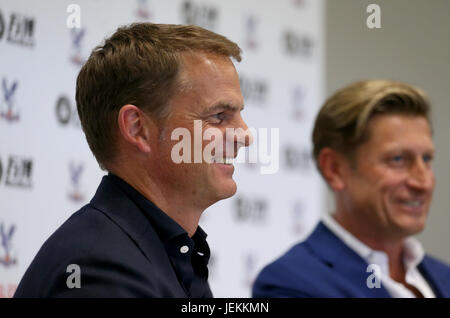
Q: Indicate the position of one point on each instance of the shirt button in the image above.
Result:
(184, 249)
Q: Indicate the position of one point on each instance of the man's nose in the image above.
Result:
(244, 136)
(237, 135)
(421, 176)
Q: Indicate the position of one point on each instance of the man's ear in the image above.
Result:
(333, 166)
(134, 127)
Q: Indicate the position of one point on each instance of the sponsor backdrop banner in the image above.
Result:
(47, 171)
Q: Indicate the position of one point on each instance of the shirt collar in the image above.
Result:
(348, 238)
(413, 252)
(166, 228)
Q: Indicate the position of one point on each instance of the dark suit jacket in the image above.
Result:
(324, 266)
(116, 248)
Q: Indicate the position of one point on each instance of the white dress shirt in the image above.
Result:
(412, 256)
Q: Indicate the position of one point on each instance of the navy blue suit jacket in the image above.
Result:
(116, 248)
(324, 266)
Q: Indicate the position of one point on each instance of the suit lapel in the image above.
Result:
(438, 282)
(112, 201)
(347, 264)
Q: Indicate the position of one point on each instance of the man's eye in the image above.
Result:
(219, 116)
(397, 160)
(427, 158)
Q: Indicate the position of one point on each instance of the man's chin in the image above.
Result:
(227, 190)
(411, 228)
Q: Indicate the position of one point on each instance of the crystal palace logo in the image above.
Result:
(6, 234)
(7, 103)
(298, 102)
(75, 173)
(142, 12)
(251, 26)
(77, 36)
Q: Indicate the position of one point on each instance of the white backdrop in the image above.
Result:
(47, 171)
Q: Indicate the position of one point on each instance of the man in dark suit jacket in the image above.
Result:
(324, 266)
(373, 146)
(138, 93)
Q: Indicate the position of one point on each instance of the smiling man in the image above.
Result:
(373, 146)
(139, 236)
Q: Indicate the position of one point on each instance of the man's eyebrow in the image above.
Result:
(223, 106)
(431, 150)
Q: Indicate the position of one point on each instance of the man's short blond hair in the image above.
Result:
(343, 120)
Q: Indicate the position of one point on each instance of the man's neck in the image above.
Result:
(185, 212)
(372, 237)
(393, 247)
(397, 272)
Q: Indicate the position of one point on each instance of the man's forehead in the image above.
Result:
(195, 65)
(395, 130)
(192, 60)
(394, 124)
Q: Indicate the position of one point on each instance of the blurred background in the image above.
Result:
(295, 54)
